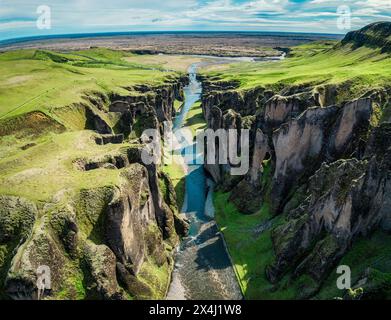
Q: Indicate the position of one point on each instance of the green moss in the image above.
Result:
(72, 287)
(267, 175)
(91, 207)
(373, 252)
(178, 105)
(176, 172)
(355, 294)
(6, 255)
(314, 64)
(376, 115)
(195, 119)
(144, 197)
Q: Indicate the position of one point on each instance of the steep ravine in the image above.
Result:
(319, 174)
(203, 269)
(112, 238)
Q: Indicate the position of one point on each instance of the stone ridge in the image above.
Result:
(377, 34)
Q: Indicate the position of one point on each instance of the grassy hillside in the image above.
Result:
(195, 118)
(315, 64)
(43, 80)
(54, 83)
(356, 70)
(49, 165)
(47, 102)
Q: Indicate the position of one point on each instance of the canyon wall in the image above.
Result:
(320, 165)
(110, 242)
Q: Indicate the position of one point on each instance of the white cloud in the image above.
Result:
(16, 25)
(120, 15)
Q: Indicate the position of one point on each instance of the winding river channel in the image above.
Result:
(203, 269)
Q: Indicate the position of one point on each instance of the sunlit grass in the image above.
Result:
(315, 64)
(35, 80)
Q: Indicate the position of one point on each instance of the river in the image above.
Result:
(203, 270)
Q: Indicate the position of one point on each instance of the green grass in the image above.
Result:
(250, 253)
(374, 252)
(47, 168)
(42, 80)
(178, 177)
(195, 119)
(315, 64)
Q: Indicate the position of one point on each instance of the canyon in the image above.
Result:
(75, 195)
(318, 178)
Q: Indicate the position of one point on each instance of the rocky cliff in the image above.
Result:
(375, 35)
(112, 239)
(319, 164)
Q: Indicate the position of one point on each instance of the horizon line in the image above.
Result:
(113, 33)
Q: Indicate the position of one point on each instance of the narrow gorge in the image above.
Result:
(203, 269)
(317, 184)
(79, 202)
(112, 231)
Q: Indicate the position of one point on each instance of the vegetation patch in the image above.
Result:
(177, 174)
(195, 119)
(315, 64)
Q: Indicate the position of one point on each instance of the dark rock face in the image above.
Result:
(156, 102)
(95, 122)
(346, 199)
(327, 210)
(330, 169)
(279, 109)
(304, 136)
(102, 235)
(128, 224)
(128, 215)
(101, 264)
(17, 217)
(318, 135)
(374, 35)
(217, 95)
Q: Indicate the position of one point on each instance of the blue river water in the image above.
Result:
(194, 205)
(203, 269)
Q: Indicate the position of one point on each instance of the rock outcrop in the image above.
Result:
(345, 199)
(124, 225)
(327, 181)
(375, 35)
(318, 135)
(100, 242)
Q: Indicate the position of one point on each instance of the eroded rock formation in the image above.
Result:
(100, 242)
(328, 167)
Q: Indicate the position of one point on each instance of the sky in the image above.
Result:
(18, 18)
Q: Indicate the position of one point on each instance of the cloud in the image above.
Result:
(71, 16)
